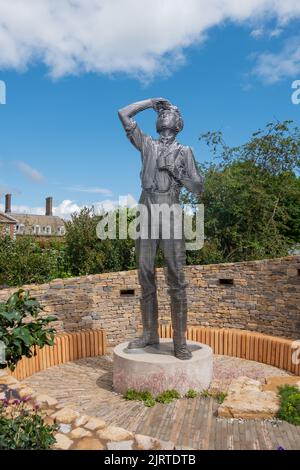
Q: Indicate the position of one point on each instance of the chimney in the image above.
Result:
(49, 203)
(7, 203)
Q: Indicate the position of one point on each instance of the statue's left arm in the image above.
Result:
(191, 178)
(185, 170)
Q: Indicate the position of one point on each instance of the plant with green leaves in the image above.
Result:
(289, 404)
(22, 428)
(144, 396)
(167, 396)
(191, 394)
(22, 328)
(251, 197)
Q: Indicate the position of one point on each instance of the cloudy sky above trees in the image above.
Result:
(69, 64)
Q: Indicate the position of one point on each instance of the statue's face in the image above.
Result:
(167, 120)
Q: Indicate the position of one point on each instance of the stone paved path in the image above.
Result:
(86, 386)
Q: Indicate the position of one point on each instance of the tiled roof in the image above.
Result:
(7, 219)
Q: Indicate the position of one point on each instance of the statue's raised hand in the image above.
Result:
(160, 103)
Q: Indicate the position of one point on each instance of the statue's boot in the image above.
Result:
(149, 308)
(179, 325)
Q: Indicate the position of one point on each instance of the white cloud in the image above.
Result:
(30, 172)
(275, 67)
(275, 33)
(68, 207)
(91, 190)
(140, 37)
(257, 33)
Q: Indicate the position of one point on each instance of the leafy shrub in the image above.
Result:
(145, 397)
(289, 404)
(167, 397)
(218, 396)
(22, 329)
(23, 428)
(26, 261)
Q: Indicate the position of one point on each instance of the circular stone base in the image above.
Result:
(156, 369)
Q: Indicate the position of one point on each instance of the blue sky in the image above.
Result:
(60, 133)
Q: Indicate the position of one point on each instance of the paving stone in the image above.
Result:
(94, 424)
(88, 443)
(7, 380)
(62, 442)
(120, 445)
(64, 428)
(78, 433)
(246, 400)
(272, 383)
(65, 415)
(45, 400)
(82, 420)
(114, 433)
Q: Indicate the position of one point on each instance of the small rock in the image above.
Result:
(114, 433)
(62, 442)
(246, 400)
(88, 443)
(48, 420)
(119, 445)
(150, 443)
(65, 415)
(26, 392)
(8, 379)
(95, 423)
(273, 383)
(64, 428)
(45, 400)
(82, 420)
(79, 433)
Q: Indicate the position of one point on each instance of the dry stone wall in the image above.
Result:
(261, 296)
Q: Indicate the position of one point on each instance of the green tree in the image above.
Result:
(25, 261)
(87, 254)
(252, 196)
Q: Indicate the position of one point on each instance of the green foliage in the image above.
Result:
(167, 396)
(252, 196)
(25, 261)
(289, 404)
(24, 429)
(252, 211)
(191, 394)
(87, 254)
(145, 397)
(22, 329)
(218, 396)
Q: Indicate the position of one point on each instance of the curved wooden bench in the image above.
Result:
(67, 347)
(245, 344)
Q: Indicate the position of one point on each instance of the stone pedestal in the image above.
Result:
(156, 369)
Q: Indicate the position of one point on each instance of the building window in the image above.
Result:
(20, 228)
(36, 229)
(48, 230)
(61, 230)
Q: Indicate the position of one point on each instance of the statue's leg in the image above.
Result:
(146, 251)
(175, 257)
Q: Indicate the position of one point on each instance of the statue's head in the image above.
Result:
(169, 118)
